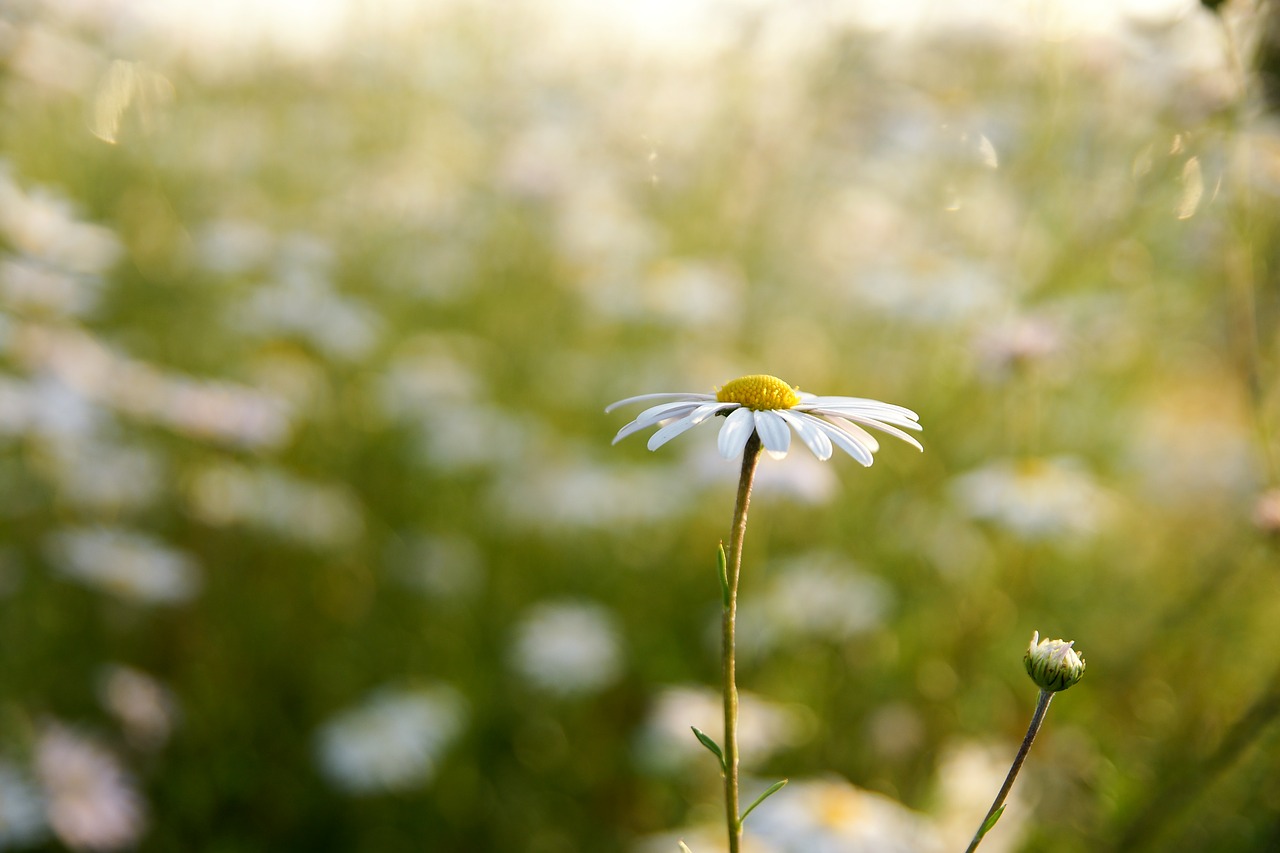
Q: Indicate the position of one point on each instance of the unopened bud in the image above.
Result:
(1053, 664)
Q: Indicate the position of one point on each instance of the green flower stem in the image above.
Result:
(750, 459)
(1042, 708)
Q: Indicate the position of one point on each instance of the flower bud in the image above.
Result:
(1052, 664)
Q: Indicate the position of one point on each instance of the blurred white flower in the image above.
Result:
(233, 246)
(800, 477)
(318, 514)
(765, 405)
(969, 775)
(22, 809)
(1174, 429)
(578, 493)
(929, 290)
(833, 816)
(568, 648)
(392, 741)
(43, 226)
(91, 802)
(125, 563)
(1035, 498)
(446, 567)
(1015, 343)
(28, 286)
(816, 816)
(304, 305)
(146, 709)
(665, 742)
(818, 595)
(47, 408)
(203, 409)
(102, 475)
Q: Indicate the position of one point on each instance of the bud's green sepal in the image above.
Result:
(1053, 664)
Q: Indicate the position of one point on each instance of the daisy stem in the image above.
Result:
(750, 459)
(1042, 708)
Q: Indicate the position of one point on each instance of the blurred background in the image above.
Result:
(312, 535)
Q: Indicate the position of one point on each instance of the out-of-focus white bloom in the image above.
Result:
(32, 287)
(445, 567)
(665, 743)
(1172, 434)
(818, 595)
(766, 406)
(91, 802)
(106, 476)
(22, 809)
(800, 477)
(145, 708)
(567, 648)
(125, 563)
(1018, 342)
(577, 493)
(317, 514)
(44, 227)
(833, 816)
(234, 246)
(392, 741)
(213, 410)
(46, 408)
(1035, 498)
(969, 775)
(1266, 511)
(817, 816)
(929, 290)
(305, 305)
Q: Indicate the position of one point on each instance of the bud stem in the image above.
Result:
(1042, 708)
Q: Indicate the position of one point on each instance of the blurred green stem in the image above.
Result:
(1042, 708)
(750, 459)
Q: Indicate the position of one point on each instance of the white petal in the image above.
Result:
(643, 398)
(883, 427)
(865, 415)
(735, 432)
(651, 416)
(670, 431)
(809, 434)
(865, 438)
(848, 443)
(773, 433)
(817, 402)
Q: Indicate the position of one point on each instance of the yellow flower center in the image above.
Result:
(759, 391)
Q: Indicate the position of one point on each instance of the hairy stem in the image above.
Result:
(750, 459)
(1042, 708)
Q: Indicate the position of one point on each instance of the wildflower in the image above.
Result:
(92, 803)
(771, 408)
(1053, 664)
(392, 741)
(567, 648)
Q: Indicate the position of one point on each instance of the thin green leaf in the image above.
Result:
(722, 562)
(991, 821)
(705, 740)
(773, 789)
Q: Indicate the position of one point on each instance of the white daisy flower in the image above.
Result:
(767, 406)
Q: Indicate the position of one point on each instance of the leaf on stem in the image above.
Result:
(991, 821)
(705, 740)
(722, 562)
(773, 789)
